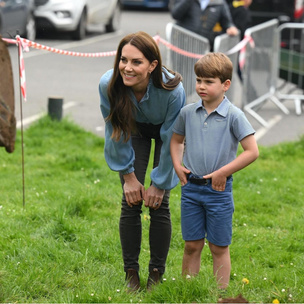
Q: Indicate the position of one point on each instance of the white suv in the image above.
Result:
(75, 16)
(17, 17)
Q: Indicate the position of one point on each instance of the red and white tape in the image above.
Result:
(64, 52)
(242, 56)
(176, 49)
(24, 44)
(21, 66)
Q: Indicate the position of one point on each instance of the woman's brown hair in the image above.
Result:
(122, 110)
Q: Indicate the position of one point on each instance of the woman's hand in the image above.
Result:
(133, 189)
(153, 197)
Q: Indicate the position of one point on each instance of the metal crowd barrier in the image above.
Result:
(260, 70)
(266, 62)
(291, 63)
(224, 43)
(187, 41)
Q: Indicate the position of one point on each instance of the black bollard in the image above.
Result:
(55, 107)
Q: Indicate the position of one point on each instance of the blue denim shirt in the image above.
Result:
(158, 106)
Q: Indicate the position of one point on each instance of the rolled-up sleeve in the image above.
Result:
(163, 176)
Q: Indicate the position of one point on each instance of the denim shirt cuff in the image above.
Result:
(156, 186)
(127, 171)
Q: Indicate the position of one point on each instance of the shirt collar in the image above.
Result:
(146, 96)
(204, 4)
(148, 89)
(222, 108)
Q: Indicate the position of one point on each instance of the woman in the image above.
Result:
(140, 100)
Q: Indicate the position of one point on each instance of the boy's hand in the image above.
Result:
(182, 174)
(218, 180)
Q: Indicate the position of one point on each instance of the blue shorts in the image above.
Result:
(207, 213)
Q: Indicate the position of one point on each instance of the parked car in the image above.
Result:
(283, 10)
(75, 16)
(146, 3)
(291, 52)
(17, 17)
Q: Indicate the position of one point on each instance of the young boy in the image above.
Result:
(211, 130)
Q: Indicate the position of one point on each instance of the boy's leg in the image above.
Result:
(221, 264)
(192, 257)
(220, 208)
(193, 220)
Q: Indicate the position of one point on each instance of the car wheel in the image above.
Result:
(30, 29)
(80, 32)
(114, 23)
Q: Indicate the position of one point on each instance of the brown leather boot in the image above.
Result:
(132, 279)
(153, 279)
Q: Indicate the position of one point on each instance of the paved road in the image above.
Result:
(77, 79)
(281, 127)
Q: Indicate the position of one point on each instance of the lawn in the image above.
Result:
(59, 238)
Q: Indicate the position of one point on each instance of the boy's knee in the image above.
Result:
(218, 250)
(192, 247)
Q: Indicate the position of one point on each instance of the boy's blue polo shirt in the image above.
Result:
(211, 140)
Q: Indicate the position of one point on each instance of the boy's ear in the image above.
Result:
(226, 84)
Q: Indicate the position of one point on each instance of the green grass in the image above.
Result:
(63, 246)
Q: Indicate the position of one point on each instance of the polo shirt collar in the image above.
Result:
(199, 104)
(222, 109)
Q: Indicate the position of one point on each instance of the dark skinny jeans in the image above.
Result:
(130, 227)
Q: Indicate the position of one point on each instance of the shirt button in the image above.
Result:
(205, 124)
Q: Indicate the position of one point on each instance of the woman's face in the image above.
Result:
(135, 68)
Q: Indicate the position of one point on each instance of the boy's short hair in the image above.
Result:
(214, 65)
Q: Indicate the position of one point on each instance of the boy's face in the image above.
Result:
(211, 90)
